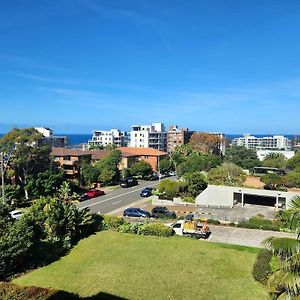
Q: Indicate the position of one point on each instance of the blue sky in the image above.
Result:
(211, 65)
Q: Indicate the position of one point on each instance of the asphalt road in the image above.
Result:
(116, 198)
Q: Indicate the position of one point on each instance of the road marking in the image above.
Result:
(116, 202)
(118, 196)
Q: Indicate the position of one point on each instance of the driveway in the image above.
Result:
(243, 236)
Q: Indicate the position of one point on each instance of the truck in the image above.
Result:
(192, 228)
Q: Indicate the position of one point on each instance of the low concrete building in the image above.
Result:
(226, 196)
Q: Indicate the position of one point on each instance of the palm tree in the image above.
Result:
(285, 283)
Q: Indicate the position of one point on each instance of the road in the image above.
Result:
(116, 198)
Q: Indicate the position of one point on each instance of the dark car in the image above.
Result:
(84, 197)
(136, 212)
(152, 177)
(128, 182)
(146, 192)
(163, 212)
(95, 193)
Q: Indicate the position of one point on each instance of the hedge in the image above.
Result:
(10, 291)
(214, 222)
(259, 223)
(261, 268)
(155, 229)
(112, 222)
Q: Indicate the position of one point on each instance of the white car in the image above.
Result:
(16, 214)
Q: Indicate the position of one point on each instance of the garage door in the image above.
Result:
(259, 200)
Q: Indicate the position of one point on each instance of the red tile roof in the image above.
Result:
(131, 151)
(96, 154)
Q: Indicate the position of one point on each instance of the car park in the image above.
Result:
(146, 192)
(95, 193)
(16, 214)
(163, 212)
(128, 182)
(136, 212)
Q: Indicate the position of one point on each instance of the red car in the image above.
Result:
(95, 193)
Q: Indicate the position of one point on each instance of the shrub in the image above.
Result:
(214, 222)
(128, 228)
(9, 291)
(112, 222)
(274, 264)
(155, 229)
(260, 223)
(189, 199)
(261, 268)
(232, 224)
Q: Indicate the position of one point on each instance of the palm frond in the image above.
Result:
(283, 247)
(291, 282)
(295, 202)
(292, 264)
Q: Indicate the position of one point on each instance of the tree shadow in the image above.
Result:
(62, 295)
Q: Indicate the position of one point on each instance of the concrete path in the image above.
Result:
(243, 236)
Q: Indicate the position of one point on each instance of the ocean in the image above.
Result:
(76, 138)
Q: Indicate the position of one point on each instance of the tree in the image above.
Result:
(108, 167)
(285, 282)
(198, 162)
(226, 174)
(272, 180)
(165, 165)
(28, 157)
(196, 183)
(45, 183)
(169, 187)
(141, 168)
(294, 162)
(89, 173)
(292, 179)
(243, 157)
(275, 160)
(206, 142)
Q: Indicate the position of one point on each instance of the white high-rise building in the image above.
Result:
(109, 137)
(149, 136)
(276, 142)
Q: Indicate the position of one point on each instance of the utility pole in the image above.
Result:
(2, 177)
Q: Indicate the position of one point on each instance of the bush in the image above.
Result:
(232, 224)
(214, 222)
(189, 199)
(260, 223)
(128, 228)
(9, 291)
(261, 268)
(155, 229)
(112, 222)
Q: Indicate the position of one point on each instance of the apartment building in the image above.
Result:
(51, 139)
(103, 138)
(149, 136)
(177, 137)
(275, 142)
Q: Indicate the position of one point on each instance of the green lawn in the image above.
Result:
(138, 267)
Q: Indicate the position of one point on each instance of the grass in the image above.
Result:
(138, 267)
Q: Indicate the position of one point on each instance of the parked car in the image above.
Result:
(172, 173)
(128, 182)
(152, 177)
(84, 197)
(163, 212)
(95, 193)
(136, 212)
(146, 192)
(16, 214)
